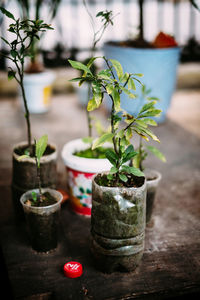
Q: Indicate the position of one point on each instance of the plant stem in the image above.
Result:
(27, 115)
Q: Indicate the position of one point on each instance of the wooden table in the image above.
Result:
(170, 265)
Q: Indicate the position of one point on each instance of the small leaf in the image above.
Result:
(138, 74)
(41, 145)
(148, 121)
(13, 53)
(131, 84)
(109, 88)
(100, 141)
(7, 13)
(116, 64)
(123, 177)
(116, 99)
(157, 153)
(5, 41)
(113, 170)
(111, 156)
(11, 74)
(126, 91)
(136, 172)
(79, 66)
(147, 106)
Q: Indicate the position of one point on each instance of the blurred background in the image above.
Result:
(72, 38)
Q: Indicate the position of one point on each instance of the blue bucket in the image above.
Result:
(159, 67)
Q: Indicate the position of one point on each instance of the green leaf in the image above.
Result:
(138, 74)
(111, 156)
(11, 74)
(131, 84)
(148, 121)
(131, 95)
(151, 113)
(7, 13)
(109, 88)
(104, 74)
(134, 171)
(113, 170)
(95, 102)
(106, 137)
(116, 64)
(5, 41)
(13, 53)
(123, 177)
(116, 99)
(79, 66)
(34, 196)
(147, 106)
(109, 176)
(41, 145)
(157, 153)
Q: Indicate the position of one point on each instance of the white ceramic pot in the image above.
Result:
(80, 172)
(38, 89)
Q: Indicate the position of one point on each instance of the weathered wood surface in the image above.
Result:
(170, 265)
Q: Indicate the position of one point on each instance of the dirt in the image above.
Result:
(45, 200)
(22, 150)
(133, 181)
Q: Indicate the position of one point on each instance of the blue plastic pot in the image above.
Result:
(159, 67)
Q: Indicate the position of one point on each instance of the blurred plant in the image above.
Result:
(32, 10)
(106, 82)
(144, 149)
(24, 33)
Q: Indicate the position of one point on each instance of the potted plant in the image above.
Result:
(158, 61)
(81, 162)
(41, 207)
(153, 177)
(37, 80)
(23, 177)
(118, 196)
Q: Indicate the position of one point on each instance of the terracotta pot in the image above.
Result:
(118, 226)
(24, 175)
(80, 172)
(153, 178)
(43, 221)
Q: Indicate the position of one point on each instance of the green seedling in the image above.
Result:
(40, 147)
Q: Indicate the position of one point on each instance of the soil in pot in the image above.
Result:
(42, 216)
(118, 225)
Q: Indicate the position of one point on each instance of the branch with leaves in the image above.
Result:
(144, 149)
(113, 81)
(24, 33)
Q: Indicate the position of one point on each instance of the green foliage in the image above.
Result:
(113, 81)
(24, 32)
(40, 147)
(147, 110)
